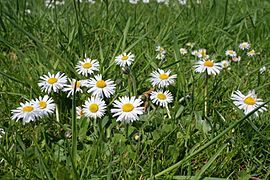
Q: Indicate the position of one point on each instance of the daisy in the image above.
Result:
(161, 98)
(248, 103)
(79, 112)
(2, 132)
(161, 78)
(94, 107)
(225, 64)
(87, 67)
(262, 70)
(236, 59)
(52, 82)
(208, 65)
(100, 87)
(125, 59)
(251, 53)
(183, 51)
(45, 105)
(190, 44)
(127, 109)
(244, 46)
(28, 111)
(202, 53)
(231, 53)
(145, 1)
(70, 87)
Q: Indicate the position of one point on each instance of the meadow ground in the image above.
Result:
(202, 133)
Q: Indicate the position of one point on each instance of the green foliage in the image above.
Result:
(189, 145)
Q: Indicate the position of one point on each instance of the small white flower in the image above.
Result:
(208, 65)
(87, 67)
(247, 103)
(244, 46)
(225, 64)
(94, 107)
(2, 132)
(161, 98)
(45, 104)
(71, 86)
(183, 51)
(127, 109)
(100, 87)
(161, 78)
(251, 53)
(52, 82)
(202, 53)
(145, 1)
(190, 44)
(182, 2)
(28, 112)
(262, 69)
(231, 53)
(125, 59)
(133, 1)
(80, 113)
(236, 59)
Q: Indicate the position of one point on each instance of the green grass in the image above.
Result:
(226, 144)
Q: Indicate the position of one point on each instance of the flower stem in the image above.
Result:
(206, 95)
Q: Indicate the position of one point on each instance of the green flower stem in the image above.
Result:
(205, 146)
(206, 95)
(74, 130)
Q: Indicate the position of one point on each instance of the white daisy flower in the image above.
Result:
(244, 46)
(52, 82)
(161, 78)
(182, 2)
(94, 107)
(100, 87)
(247, 103)
(133, 1)
(28, 111)
(2, 132)
(125, 59)
(70, 87)
(225, 64)
(161, 98)
(251, 53)
(45, 104)
(190, 44)
(145, 1)
(183, 51)
(127, 109)
(87, 66)
(262, 69)
(236, 59)
(202, 53)
(208, 65)
(231, 53)
(80, 113)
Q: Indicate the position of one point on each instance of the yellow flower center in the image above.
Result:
(163, 76)
(231, 52)
(101, 84)
(127, 107)
(93, 108)
(28, 109)
(208, 63)
(249, 100)
(42, 104)
(52, 80)
(161, 96)
(87, 65)
(124, 58)
(78, 84)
